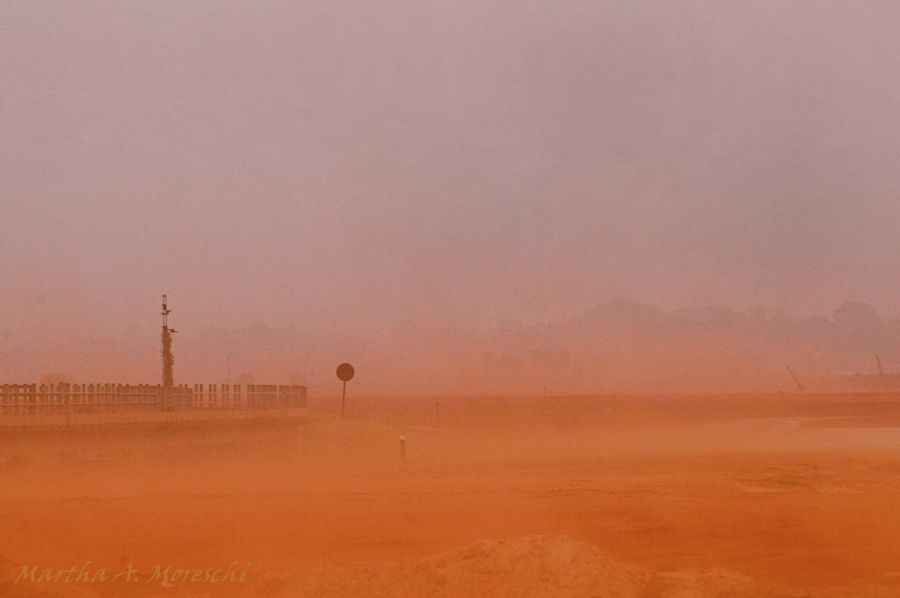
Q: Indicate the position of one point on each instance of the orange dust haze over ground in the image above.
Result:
(757, 495)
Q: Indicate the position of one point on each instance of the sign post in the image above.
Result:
(345, 373)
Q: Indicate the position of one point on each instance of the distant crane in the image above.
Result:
(167, 358)
(796, 381)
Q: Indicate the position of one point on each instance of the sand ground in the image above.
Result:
(629, 496)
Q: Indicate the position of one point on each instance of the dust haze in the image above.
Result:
(622, 275)
(371, 171)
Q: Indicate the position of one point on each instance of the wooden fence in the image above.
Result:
(63, 398)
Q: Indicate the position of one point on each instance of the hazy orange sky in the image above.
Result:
(348, 168)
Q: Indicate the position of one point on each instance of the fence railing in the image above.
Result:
(64, 398)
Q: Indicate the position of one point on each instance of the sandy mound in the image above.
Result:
(530, 566)
(536, 566)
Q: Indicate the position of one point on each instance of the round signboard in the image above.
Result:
(345, 372)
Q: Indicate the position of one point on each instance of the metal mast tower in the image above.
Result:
(167, 357)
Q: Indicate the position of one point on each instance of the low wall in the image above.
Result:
(75, 399)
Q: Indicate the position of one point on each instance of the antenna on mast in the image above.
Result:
(167, 357)
(165, 311)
